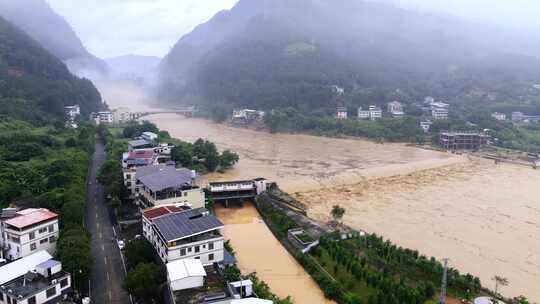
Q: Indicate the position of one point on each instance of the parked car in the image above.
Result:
(121, 244)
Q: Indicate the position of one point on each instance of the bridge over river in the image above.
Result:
(186, 111)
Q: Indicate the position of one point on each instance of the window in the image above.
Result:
(32, 300)
(64, 282)
(197, 249)
(16, 239)
(51, 228)
(128, 176)
(52, 239)
(51, 292)
(211, 246)
(32, 235)
(197, 258)
(43, 241)
(183, 251)
(211, 257)
(189, 249)
(42, 230)
(33, 246)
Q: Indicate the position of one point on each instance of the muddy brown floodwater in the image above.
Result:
(257, 250)
(484, 217)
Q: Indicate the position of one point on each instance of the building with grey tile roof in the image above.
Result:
(158, 178)
(177, 226)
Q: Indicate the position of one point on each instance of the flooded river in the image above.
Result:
(484, 217)
(257, 250)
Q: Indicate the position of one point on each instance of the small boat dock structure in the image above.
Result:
(231, 191)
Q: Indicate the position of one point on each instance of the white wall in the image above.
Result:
(187, 283)
(23, 248)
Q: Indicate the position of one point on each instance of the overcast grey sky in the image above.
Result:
(145, 27)
(151, 27)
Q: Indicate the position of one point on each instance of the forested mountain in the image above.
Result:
(289, 53)
(34, 84)
(52, 31)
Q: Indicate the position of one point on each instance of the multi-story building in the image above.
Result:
(463, 140)
(71, 113)
(121, 115)
(149, 136)
(426, 125)
(341, 113)
(35, 279)
(104, 117)
(375, 112)
(396, 109)
(167, 185)
(363, 114)
(184, 234)
(439, 110)
(29, 231)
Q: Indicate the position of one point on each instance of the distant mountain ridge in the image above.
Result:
(288, 53)
(52, 31)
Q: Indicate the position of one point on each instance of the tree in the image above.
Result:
(144, 281)
(522, 300)
(232, 274)
(74, 252)
(337, 213)
(137, 252)
(228, 159)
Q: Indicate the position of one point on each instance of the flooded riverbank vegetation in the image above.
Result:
(370, 269)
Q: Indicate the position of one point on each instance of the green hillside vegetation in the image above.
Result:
(43, 164)
(34, 85)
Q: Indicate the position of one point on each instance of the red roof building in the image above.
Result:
(30, 217)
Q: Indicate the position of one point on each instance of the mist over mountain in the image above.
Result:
(53, 32)
(133, 67)
(289, 53)
(34, 84)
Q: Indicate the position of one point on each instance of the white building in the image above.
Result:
(363, 114)
(426, 125)
(396, 109)
(104, 117)
(184, 234)
(341, 113)
(121, 115)
(166, 185)
(35, 279)
(499, 116)
(71, 114)
(375, 113)
(29, 231)
(185, 274)
(439, 110)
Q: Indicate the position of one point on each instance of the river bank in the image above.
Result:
(485, 218)
(257, 250)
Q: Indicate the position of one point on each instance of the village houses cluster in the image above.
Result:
(186, 236)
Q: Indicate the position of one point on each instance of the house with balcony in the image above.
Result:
(375, 112)
(28, 231)
(167, 185)
(34, 279)
(439, 110)
(395, 108)
(184, 234)
(71, 113)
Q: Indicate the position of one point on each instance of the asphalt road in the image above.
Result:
(108, 271)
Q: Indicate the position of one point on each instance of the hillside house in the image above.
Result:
(139, 144)
(363, 114)
(395, 108)
(439, 110)
(149, 136)
(341, 113)
(463, 140)
(71, 113)
(499, 116)
(375, 112)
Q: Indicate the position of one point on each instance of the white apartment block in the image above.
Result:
(35, 279)
(439, 110)
(375, 113)
(177, 233)
(29, 231)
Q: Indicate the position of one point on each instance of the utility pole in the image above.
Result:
(444, 282)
